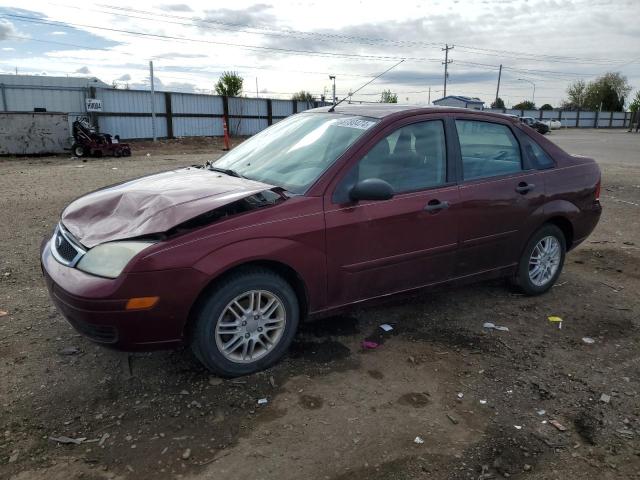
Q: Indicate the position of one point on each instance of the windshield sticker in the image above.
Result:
(355, 123)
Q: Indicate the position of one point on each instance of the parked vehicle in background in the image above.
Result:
(326, 209)
(553, 124)
(537, 125)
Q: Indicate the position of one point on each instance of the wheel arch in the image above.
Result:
(565, 225)
(290, 275)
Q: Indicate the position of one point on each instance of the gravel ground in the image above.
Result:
(481, 401)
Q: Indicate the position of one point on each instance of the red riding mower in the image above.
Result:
(88, 142)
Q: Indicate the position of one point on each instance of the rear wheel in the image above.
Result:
(246, 324)
(78, 150)
(542, 260)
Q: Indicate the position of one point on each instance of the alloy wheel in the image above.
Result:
(250, 326)
(544, 260)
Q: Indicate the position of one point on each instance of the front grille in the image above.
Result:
(65, 250)
(97, 333)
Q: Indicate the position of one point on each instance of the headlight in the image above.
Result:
(109, 259)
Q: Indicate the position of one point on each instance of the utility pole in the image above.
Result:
(257, 95)
(429, 101)
(498, 89)
(153, 101)
(446, 64)
(333, 77)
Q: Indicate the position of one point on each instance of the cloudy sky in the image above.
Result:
(289, 46)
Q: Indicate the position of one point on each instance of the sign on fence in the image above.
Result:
(93, 105)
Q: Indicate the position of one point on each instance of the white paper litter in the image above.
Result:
(386, 327)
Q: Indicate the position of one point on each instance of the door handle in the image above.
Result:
(436, 205)
(524, 187)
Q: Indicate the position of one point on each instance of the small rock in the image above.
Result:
(14, 456)
(418, 440)
(527, 467)
(605, 398)
(214, 381)
(588, 340)
(184, 392)
(263, 401)
(70, 351)
(186, 454)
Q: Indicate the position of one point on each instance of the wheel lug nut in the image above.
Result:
(259, 329)
(246, 335)
(244, 323)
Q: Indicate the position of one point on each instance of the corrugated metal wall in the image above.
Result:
(128, 112)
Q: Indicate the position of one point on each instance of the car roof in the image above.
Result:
(382, 110)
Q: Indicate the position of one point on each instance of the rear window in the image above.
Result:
(539, 157)
(488, 149)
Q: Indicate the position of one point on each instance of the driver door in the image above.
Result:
(377, 248)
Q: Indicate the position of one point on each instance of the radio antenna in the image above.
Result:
(374, 78)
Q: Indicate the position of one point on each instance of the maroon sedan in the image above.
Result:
(323, 210)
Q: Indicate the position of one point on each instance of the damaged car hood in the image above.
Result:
(152, 204)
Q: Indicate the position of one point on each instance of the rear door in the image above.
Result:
(499, 192)
(376, 248)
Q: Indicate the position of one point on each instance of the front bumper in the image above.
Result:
(96, 306)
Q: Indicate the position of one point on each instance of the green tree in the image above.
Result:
(608, 92)
(303, 96)
(229, 84)
(576, 92)
(525, 105)
(546, 106)
(388, 97)
(498, 103)
(635, 104)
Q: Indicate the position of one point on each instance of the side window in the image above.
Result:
(411, 158)
(488, 149)
(540, 158)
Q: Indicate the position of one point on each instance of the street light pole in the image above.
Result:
(333, 77)
(533, 99)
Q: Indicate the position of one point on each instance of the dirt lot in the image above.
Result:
(480, 400)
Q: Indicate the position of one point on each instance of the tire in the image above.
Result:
(78, 150)
(213, 317)
(117, 153)
(531, 283)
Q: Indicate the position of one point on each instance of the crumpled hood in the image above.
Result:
(152, 204)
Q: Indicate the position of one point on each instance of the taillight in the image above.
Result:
(598, 190)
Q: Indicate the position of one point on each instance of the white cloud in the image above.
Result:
(6, 29)
(58, 33)
(84, 70)
(8, 49)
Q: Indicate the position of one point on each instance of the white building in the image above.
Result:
(460, 101)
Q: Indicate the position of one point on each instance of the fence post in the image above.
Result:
(169, 112)
(597, 118)
(578, 119)
(541, 111)
(611, 120)
(295, 106)
(269, 112)
(225, 112)
(4, 97)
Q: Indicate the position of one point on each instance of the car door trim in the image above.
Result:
(395, 259)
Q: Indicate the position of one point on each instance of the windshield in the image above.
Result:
(293, 153)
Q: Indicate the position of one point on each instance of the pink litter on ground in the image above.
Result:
(369, 345)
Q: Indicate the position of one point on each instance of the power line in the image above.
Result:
(24, 18)
(245, 28)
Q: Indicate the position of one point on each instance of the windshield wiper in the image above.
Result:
(226, 171)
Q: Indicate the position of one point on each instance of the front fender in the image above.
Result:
(308, 262)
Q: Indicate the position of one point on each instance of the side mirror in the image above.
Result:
(371, 189)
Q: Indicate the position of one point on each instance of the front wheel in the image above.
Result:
(541, 261)
(78, 150)
(246, 324)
